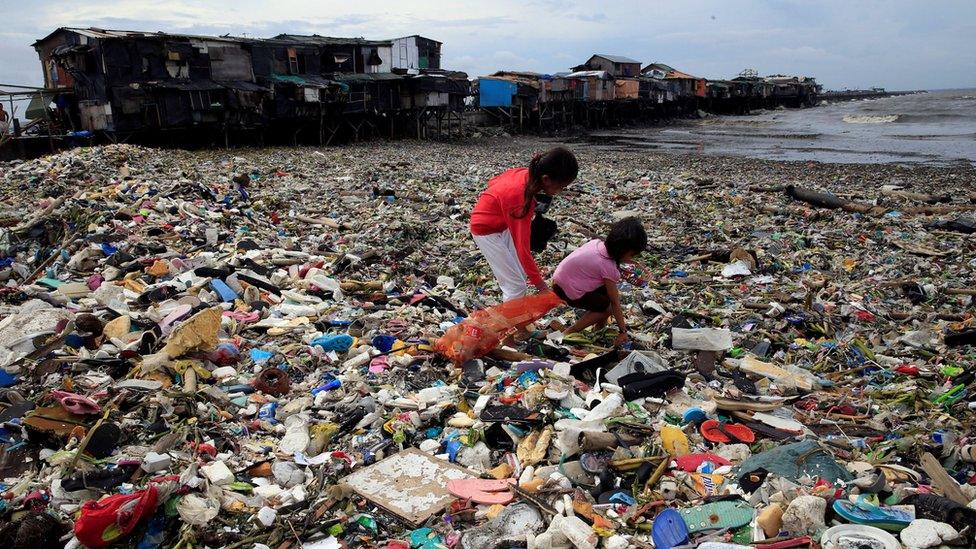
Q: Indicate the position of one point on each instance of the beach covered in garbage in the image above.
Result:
(238, 348)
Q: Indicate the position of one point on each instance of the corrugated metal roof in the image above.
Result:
(670, 73)
(92, 32)
(681, 76)
(332, 40)
(589, 74)
(616, 58)
(660, 66)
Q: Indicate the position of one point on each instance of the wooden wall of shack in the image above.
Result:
(127, 83)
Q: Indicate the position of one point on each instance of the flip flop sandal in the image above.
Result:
(691, 462)
(618, 495)
(715, 431)
(179, 312)
(77, 404)
(747, 405)
(641, 385)
(13, 411)
(10, 396)
(669, 529)
(761, 429)
(718, 515)
(508, 412)
(259, 283)
(871, 483)
(897, 473)
(582, 368)
(210, 272)
(484, 491)
(863, 512)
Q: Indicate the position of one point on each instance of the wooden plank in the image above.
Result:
(942, 480)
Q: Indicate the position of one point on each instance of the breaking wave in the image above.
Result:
(871, 119)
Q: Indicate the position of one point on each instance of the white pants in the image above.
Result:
(499, 250)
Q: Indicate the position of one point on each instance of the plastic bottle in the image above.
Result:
(578, 532)
(603, 410)
(328, 386)
(859, 443)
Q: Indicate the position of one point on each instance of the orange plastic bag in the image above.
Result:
(480, 333)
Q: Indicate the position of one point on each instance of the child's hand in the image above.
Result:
(621, 339)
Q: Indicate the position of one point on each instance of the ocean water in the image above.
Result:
(935, 128)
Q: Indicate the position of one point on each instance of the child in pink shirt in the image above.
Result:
(587, 279)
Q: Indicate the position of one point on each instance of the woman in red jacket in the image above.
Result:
(501, 221)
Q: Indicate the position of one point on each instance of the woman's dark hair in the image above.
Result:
(559, 164)
(626, 235)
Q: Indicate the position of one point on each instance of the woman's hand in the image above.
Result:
(541, 286)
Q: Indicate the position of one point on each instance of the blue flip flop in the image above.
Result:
(669, 529)
(863, 512)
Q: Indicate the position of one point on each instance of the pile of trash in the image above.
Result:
(240, 349)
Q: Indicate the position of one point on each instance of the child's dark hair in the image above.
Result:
(626, 235)
(558, 163)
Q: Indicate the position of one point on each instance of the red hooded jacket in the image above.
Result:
(497, 209)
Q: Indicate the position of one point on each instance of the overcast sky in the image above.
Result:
(897, 44)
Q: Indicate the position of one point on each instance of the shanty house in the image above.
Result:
(593, 86)
(683, 84)
(343, 55)
(127, 81)
(614, 65)
(496, 92)
(654, 90)
(416, 52)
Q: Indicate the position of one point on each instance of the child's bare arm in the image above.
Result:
(615, 308)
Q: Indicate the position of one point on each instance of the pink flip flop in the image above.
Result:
(77, 404)
(485, 491)
(239, 316)
(180, 311)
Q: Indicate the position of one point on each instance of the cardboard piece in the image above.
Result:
(411, 485)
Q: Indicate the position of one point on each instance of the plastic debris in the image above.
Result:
(315, 364)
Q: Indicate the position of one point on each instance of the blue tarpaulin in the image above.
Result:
(495, 93)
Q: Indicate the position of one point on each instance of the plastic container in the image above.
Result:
(328, 386)
(578, 532)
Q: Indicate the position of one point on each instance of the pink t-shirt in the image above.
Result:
(585, 269)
